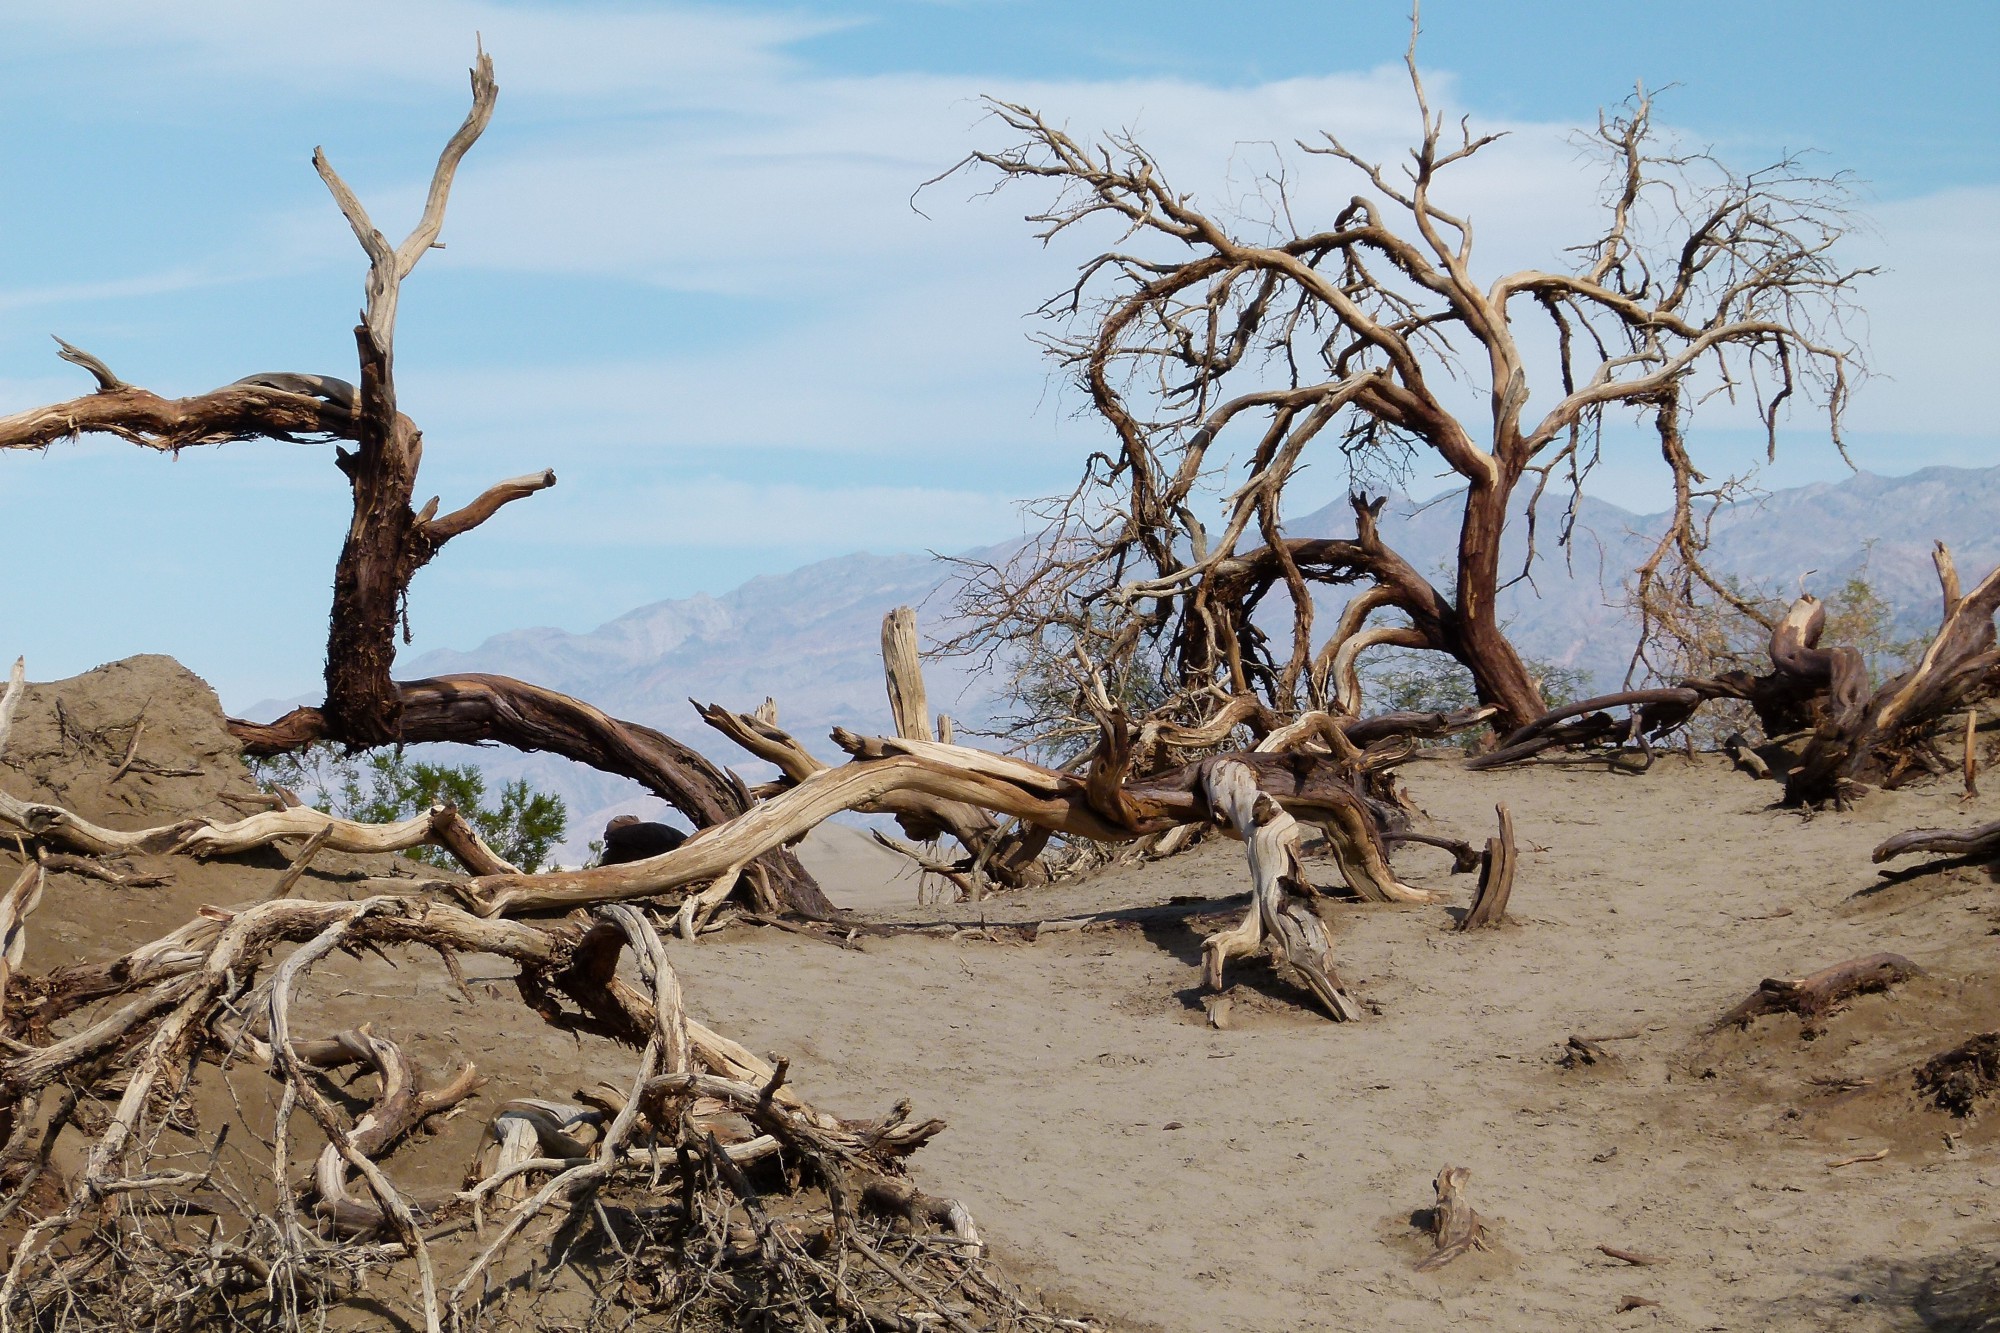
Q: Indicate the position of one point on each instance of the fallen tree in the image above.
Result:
(390, 539)
(1851, 730)
(1310, 772)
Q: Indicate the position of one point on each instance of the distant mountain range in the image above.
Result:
(811, 638)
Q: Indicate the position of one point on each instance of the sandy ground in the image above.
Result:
(1167, 1175)
(1264, 1177)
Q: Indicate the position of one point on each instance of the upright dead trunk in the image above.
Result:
(1498, 673)
(381, 554)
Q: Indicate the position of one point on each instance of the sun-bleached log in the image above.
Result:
(902, 666)
(1278, 920)
(442, 826)
(1014, 788)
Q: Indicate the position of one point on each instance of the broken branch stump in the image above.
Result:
(1496, 878)
(1453, 1223)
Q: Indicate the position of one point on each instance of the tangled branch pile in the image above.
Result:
(218, 1178)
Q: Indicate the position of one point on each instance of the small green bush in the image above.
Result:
(387, 786)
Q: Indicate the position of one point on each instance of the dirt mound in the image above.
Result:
(72, 740)
(137, 744)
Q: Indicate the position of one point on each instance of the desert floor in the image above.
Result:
(1161, 1173)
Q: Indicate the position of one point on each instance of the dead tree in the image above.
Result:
(1199, 329)
(1853, 730)
(390, 539)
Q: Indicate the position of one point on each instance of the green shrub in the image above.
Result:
(386, 786)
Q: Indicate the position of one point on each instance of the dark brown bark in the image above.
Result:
(474, 708)
(1469, 631)
(1983, 841)
(1497, 670)
(382, 552)
(1816, 997)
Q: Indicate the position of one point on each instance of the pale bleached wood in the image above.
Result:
(903, 668)
(1289, 928)
(16, 683)
(1347, 659)
(442, 826)
(1454, 1226)
(387, 265)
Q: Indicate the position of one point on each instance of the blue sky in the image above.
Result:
(683, 271)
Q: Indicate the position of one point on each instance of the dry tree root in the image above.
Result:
(703, 1188)
(1959, 1079)
(1453, 1224)
(1818, 996)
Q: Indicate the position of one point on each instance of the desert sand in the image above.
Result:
(1160, 1173)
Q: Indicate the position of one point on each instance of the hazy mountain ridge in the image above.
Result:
(810, 638)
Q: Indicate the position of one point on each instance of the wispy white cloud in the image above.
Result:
(180, 278)
(598, 53)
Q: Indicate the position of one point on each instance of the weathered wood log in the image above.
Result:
(1306, 786)
(1496, 878)
(401, 1103)
(1816, 997)
(1983, 841)
(442, 826)
(909, 704)
(1278, 920)
(894, 1194)
(1737, 747)
(62, 863)
(1453, 1224)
